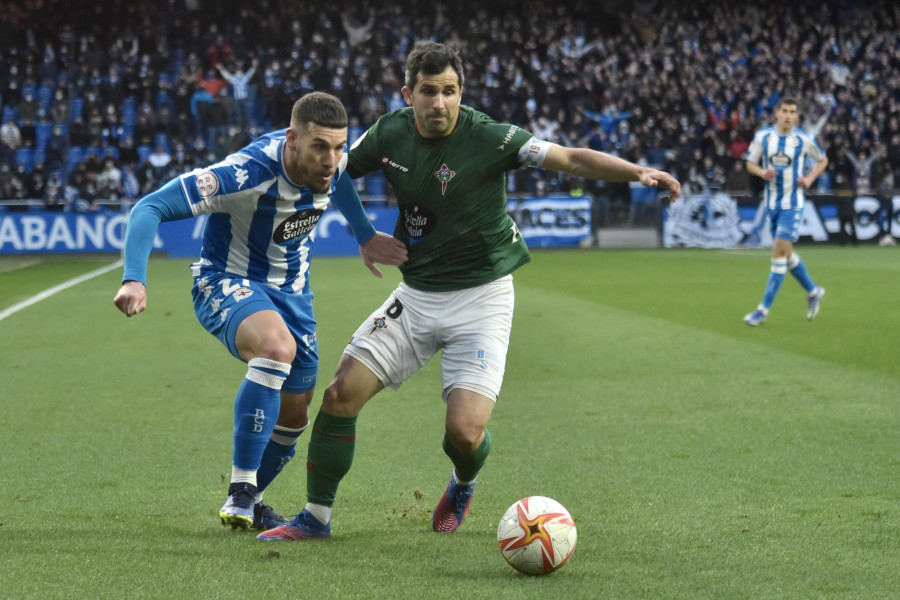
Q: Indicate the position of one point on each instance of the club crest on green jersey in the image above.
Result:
(444, 175)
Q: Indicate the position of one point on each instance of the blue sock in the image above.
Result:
(256, 409)
(798, 270)
(279, 451)
(776, 276)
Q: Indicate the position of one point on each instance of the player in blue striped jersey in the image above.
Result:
(251, 284)
(778, 155)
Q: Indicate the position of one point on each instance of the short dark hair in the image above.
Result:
(786, 100)
(320, 108)
(432, 58)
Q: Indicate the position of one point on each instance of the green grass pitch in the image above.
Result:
(699, 457)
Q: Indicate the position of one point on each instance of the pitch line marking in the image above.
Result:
(57, 288)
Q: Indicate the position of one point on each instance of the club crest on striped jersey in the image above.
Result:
(444, 175)
(298, 224)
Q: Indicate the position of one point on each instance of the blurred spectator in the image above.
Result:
(738, 181)
(240, 80)
(10, 140)
(862, 175)
(161, 162)
(655, 79)
(109, 180)
(128, 154)
(54, 192)
(56, 148)
(200, 102)
(36, 181)
(28, 107)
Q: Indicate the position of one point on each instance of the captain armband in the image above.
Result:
(533, 153)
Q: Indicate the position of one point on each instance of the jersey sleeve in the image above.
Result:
(755, 150)
(346, 199)
(215, 188)
(165, 204)
(363, 154)
(504, 142)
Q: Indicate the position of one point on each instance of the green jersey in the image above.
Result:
(451, 192)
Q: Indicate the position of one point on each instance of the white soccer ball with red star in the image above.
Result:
(536, 535)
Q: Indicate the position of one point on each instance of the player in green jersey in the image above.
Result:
(447, 164)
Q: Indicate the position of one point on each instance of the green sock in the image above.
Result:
(467, 466)
(329, 457)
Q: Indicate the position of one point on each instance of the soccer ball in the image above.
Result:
(536, 535)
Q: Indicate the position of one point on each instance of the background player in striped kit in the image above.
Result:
(778, 155)
(447, 164)
(251, 284)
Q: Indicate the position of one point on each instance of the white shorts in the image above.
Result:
(471, 327)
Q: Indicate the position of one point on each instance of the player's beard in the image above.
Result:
(322, 188)
(313, 180)
(436, 128)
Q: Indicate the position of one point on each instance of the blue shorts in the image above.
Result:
(222, 301)
(784, 223)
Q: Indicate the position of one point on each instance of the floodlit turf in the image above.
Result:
(699, 457)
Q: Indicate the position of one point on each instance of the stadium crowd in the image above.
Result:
(103, 101)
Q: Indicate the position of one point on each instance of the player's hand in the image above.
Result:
(803, 182)
(655, 178)
(769, 174)
(384, 249)
(131, 298)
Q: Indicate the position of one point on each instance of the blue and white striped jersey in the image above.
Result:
(261, 225)
(787, 155)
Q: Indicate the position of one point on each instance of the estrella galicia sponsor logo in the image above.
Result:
(300, 223)
(393, 165)
(418, 223)
(780, 160)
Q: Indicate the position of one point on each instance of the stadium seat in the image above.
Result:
(24, 158)
(143, 152)
(38, 157)
(76, 154)
(10, 112)
(45, 96)
(161, 139)
(77, 107)
(129, 106)
(42, 132)
(110, 151)
(28, 88)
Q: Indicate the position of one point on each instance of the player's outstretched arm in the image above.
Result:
(165, 204)
(384, 249)
(601, 166)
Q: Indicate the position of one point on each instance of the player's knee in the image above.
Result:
(276, 348)
(343, 398)
(466, 438)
